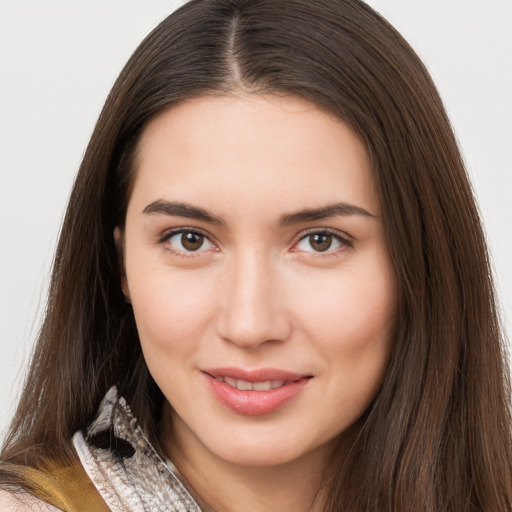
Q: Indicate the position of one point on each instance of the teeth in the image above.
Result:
(244, 385)
(262, 386)
(230, 381)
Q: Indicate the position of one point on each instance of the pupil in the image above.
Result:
(191, 241)
(320, 242)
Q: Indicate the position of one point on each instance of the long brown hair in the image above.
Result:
(437, 436)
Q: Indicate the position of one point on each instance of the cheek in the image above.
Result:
(172, 317)
(356, 308)
(170, 311)
(352, 323)
(356, 337)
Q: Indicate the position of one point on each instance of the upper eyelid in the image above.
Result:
(345, 240)
(335, 232)
(166, 234)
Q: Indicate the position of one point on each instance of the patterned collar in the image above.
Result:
(126, 470)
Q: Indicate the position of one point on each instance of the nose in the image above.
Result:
(253, 306)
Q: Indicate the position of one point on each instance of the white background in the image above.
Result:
(59, 58)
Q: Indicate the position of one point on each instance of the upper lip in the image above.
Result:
(257, 375)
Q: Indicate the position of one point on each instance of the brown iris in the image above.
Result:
(320, 242)
(192, 241)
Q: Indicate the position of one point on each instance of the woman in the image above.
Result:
(273, 278)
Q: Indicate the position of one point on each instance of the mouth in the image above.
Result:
(245, 385)
(255, 392)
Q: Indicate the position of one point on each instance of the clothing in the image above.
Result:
(119, 471)
(125, 469)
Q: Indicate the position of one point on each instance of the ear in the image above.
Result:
(119, 242)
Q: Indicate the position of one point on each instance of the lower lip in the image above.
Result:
(255, 403)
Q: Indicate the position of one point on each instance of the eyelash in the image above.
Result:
(344, 242)
(165, 238)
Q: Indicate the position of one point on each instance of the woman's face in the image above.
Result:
(259, 276)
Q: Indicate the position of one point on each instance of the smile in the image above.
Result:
(245, 385)
(256, 392)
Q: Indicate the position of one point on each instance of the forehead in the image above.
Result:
(250, 148)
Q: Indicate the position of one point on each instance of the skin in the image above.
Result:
(258, 293)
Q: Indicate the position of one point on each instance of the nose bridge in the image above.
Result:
(252, 313)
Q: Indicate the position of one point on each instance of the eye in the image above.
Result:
(322, 241)
(187, 241)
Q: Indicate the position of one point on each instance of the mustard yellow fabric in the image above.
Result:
(67, 488)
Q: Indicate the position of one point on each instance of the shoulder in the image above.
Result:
(23, 502)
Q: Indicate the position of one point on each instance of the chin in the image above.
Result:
(266, 447)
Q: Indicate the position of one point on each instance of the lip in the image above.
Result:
(255, 403)
(257, 375)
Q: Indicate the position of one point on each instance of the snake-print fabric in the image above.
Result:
(124, 467)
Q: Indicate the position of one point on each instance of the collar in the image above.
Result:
(123, 466)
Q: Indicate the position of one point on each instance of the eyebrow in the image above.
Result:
(179, 209)
(332, 210)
